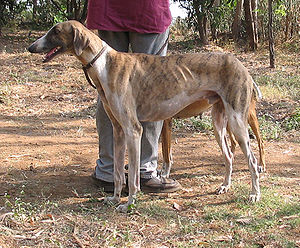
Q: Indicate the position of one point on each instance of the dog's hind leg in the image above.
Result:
(253, 122)
(240, 131)
(220, 123)
(232, 140)
(166, 147)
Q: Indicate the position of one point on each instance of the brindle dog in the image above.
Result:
(140, 87)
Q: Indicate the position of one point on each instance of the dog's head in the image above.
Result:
(63, 37)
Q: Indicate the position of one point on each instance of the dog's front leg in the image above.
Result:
(133, 136)
(119, 155)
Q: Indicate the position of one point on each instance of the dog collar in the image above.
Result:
(89, 65)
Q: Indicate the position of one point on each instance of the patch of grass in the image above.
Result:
(270, 128)
(270, 201)
(24, 211)
(267, 213)
(155, 209)
(189, 226)
(5, 92)
(246, 220)
(291, 46)
(293, 122)
(178, 123)
(217, 213)
(203, 123)
(197, 123)
(279, 85)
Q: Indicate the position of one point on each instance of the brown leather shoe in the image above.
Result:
(159, 185)
(152, 185)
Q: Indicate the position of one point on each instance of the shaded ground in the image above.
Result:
(48, 148)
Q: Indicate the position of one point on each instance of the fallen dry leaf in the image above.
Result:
(223, 238)
(177, 206)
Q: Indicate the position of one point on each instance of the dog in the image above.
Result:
(140, 87)
(198, 108)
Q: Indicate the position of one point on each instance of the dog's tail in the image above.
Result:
(257, 91)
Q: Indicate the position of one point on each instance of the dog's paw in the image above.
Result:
(111, 200)
(165, 174)
(125, 208)
(222, 189)
(166, 169)
(254, 197)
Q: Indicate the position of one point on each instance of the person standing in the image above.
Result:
(141, 26)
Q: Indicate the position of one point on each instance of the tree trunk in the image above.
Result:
(34, 6)
(202, 29)
(254, 17)
(288, 20)
(201, 19)
(271, 38)
(237, 20)
(214, 3)
(249, 25)
(84, 12)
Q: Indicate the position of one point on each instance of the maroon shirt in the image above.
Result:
(141, 16)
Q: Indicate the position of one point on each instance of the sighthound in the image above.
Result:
(140, 87)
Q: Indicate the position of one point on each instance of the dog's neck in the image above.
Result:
(94, 46)
(90, 53)
(97, 69)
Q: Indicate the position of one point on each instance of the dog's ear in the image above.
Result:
(80, 41)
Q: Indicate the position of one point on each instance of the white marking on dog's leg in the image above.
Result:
(112, 200)
(252, 163)
(119, 156)
(166, 169)
(124, 208)
(228, 169)
(259, 94)
(220, 124)
(240, 131)
(133, 139)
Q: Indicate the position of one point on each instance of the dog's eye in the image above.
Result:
(56, 30)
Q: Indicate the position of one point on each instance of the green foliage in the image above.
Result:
(243, 217)
(280, 8)
(221, 17)
(270, 129)
(202, 123)
(10, 11)
(197, 123)
(293, 122)
(42, 13)
(280, 11)
(22, 210)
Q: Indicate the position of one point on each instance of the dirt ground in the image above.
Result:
(48, 139)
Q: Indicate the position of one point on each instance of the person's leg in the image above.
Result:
(149, 156)
(150, 44)
(150, 181)
(104, 169)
